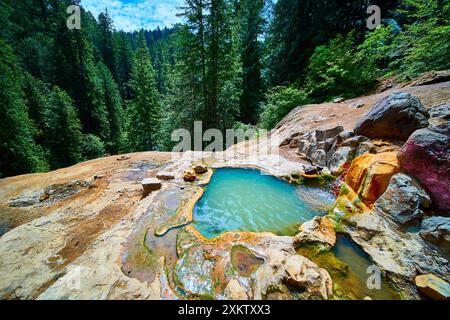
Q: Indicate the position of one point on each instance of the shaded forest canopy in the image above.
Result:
(72, 95)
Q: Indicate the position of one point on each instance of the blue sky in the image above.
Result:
(131, 15)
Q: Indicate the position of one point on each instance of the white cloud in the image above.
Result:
(129, 15)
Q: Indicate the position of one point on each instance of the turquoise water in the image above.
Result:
(247, 200)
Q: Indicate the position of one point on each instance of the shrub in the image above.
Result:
(93, 147)
(336, 70)
(280, 101)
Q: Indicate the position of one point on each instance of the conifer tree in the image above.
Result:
(78, 75)
(65, 139)
(144, 106)
(252, 83)
(116, 114)
(106, 42)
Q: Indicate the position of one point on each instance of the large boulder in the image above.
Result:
(437, 230)
(426, 156)
(396, 116)
(369, 175)
(403, 199)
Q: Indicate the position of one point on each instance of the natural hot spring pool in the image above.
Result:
(248, 200)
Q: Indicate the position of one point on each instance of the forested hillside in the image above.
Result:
(71, 95)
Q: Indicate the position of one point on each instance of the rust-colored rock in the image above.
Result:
(189, 176)
(369, 175)
(200, 168)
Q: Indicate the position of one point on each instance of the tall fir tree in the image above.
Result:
(252, 82)
(116, 114)
(77, 74)
(144, 106)
(65, 139)
(124, 58)
(106, 42)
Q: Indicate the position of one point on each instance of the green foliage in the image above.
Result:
(425, 39)
(20, 154)
(281, 101)
(63, 91)
(336, 70)
(58, 127)
(64, 140)
(93, 147)
(421, 44)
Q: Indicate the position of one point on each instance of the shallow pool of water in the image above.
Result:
(248, 200)
(355, 282)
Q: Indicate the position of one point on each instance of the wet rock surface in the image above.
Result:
(245, 265)
(401, 255)
(105, 232)
(165, 176)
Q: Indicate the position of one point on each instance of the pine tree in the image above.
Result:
(78, 75)
(191, 57)
(124, 57)
(298, 27)
(252, 84)
(20, 154)
(144, 107)
(116, 114)
(106, 42)
(207, 60)
(65, 139)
